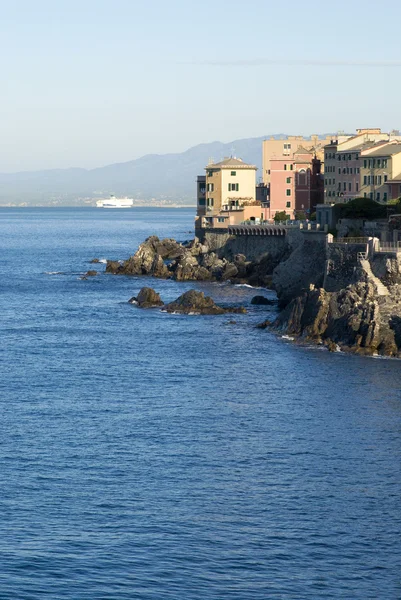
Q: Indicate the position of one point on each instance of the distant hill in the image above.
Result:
(169, 177)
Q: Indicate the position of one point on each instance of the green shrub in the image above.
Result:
(281, 216)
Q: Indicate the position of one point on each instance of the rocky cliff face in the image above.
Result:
(359, 312)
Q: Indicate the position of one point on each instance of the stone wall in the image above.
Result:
(254, 246)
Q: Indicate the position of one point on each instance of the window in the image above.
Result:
(345, 186)
(357, 187)
(291, 167)
(288, 180)
(374, 163)
(364, 194)
(210, 187)
(379, 163)
(210, 173)
(210, 202)
(371, 195)
(385, 196)
(285, 167)
(288, 205)
(220, 219)
(233, 173)
(349, 187)
(378, 196)
(288, 192)
(384, 163)
(201, 201)
(384, 178)
(339, 171)
(233, 187)
(365, 164)
(379, 180)
(325, 181)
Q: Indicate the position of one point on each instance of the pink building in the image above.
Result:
(296, 185)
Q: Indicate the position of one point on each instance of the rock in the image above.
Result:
(94, 260)
(113, 266)
(305, 266)
(264, 324)
(147, 298)
(91, 273)
(261, 300)
(229, 272)
(197, 303)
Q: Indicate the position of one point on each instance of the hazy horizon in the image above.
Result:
(87, 84)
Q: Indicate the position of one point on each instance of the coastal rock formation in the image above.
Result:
(355, 319)
(262, 300)
(304, 266)
(191, 261)
(147, 298)
(194, 302)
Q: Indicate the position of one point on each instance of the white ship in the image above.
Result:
(114, 202)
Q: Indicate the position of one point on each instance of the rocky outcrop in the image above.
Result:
(304, 267)
(147, 298)
(191, 261)
(355, 319)
(194, 302)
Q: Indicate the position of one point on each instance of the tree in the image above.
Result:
(281, 216)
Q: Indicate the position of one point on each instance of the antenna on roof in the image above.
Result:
(232, 152)
(211, 161)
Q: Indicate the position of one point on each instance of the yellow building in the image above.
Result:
(230, 195)
(379, 166)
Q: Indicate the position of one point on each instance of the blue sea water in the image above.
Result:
(153, 456)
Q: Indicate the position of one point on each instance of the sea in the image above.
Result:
(153, 456)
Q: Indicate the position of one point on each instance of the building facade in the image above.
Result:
(296, 185)
(286, 147)
(230, 194)
(343, 176)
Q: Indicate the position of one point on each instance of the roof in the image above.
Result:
(227, 163)
(302, 150)
(387, 150)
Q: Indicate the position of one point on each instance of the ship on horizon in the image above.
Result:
(113, 202)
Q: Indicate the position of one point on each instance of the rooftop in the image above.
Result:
(229, 162)
(385, 150)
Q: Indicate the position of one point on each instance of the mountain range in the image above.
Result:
(158, 178)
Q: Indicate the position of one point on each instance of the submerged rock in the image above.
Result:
(147, 298)
(94, 260)
(91, 273)
(262, 300)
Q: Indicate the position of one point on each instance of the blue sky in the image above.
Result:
(93, 82)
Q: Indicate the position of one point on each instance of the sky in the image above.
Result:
(92, 82)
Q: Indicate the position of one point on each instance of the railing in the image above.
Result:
(352, 240)
(389, 247)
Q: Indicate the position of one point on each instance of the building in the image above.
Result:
(380, 166)
(296, 185)
(230, 194)
(343, 178)
(287, 146)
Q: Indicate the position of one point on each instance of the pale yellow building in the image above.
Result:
(379, 166)
(230, 195)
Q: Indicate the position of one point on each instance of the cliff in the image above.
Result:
(347, 296)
